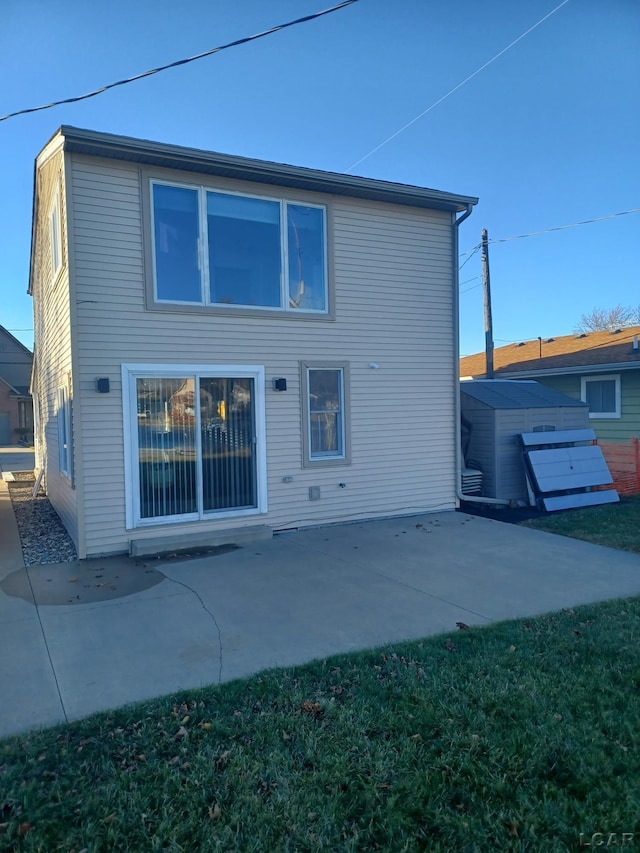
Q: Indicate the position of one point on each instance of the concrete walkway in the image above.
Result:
(165, 625)
(16, 458)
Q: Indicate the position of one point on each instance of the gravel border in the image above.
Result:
(42, 534)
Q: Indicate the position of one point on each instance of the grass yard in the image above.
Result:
(616, 525)
(518, 736)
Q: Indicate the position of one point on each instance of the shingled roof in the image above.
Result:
(559, 355)
(511, 394)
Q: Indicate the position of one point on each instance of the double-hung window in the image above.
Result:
(214, 248)
(602, 395)
(64, 432)
(324, 414)
(55, 239)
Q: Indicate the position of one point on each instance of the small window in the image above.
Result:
(55, 239)
(602, 395)
(544, 428)
(64, 432)
(325, 425)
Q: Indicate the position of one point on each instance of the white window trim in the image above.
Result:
(64, 431)
(612, 377)
(203, 251)
(131, 372)
(36, 426)
(55, 238)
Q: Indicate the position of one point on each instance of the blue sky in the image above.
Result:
(547, 135)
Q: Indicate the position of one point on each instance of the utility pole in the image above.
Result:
(488, 322)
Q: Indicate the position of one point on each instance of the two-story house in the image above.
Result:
(225, 345)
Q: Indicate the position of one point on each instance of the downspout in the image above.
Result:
(456, 378)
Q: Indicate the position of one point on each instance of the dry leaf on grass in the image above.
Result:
(222, 760)
(512, 826)
(215, 812)
(314, 709)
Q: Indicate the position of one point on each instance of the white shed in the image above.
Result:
(495, 412)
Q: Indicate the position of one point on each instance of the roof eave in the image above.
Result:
(34, 213)
(93, 143)
(560, 371)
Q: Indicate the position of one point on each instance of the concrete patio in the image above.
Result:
(88, 636)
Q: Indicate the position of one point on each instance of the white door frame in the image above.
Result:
(131, 372)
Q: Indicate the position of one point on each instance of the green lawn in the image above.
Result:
(519, 736)
(616, 525)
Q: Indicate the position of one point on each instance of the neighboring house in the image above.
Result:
(16, 410)
(225, 345)
(600, 368)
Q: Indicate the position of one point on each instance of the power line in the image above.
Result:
(471, 253)
(178, 62)
(455, 88)
(563, 227)
(474, 249)
(462, 292)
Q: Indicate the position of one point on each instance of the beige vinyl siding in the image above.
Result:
(52, 335)
(394, 306)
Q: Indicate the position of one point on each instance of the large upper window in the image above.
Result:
(216, 248)
(602, 395)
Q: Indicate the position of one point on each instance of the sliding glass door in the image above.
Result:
(166, 447)
(195, 448)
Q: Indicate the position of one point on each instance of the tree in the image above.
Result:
(603, 319)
